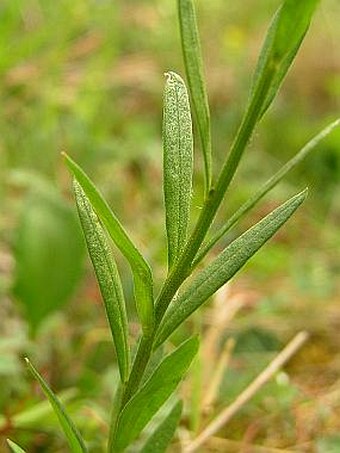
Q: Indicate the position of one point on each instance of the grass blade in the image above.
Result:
(14, 447)
(267, 186)
(283, 40)
(72, 434)
(108, 278)
(192, 55)
(225, 266)
(140, 268)
(178, 164)
(153, 394)
(161, 437)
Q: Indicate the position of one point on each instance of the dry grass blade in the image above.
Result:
(248, 393)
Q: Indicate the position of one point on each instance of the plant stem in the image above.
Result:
(215, 197)
(213, 201)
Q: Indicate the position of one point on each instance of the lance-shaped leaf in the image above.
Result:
(177, 163)
(225, 266)
(72, 434)
(265, 188)
(15, 447)
(154, 393)
(192, 55)
(140, 268)
(283, 40)
(161, 436)
(108, 278)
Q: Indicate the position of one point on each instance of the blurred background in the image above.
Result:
(86, 77)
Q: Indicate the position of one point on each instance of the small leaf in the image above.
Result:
(162, 435)
(14, 447)
(72, 434)
(153, 394)
(108, 278)
(283, 40)
(194, 71)
(140, 268)
(178, 164)
(265, 188)
(225, 266)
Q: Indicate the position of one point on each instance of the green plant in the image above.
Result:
(145, 387)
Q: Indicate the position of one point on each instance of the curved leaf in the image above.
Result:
(72, 434)
(140, 268)
(225, 266)
(153, 394)
(108, 278)
(177, 163)
(265, 188)
(14, 447)
(192, 55)
(283, 40)
(162, 435)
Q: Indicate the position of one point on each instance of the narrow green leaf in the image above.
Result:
(178, 163)
(267, 186)
(72, 434)
(225, 266)
(153, 394)
(192, 55)
(108, 278)
(140, 268)
(162, 435)
(15, 447)
(283, 40)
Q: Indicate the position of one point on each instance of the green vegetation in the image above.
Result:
(139, 388)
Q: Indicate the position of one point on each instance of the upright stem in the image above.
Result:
(211, 205)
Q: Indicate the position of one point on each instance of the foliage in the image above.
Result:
(158, 317)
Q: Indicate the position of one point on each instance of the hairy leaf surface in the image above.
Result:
(162, 435)
(140, 268)
(153, 394)
(108, 278)
(225, 266)
(177, 163)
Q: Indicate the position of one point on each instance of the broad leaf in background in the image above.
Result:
(153, 394)
(72, 434)
(163, 433)
(177, 164)
(48, 253)
(283, 40)
(15, 447)
(140, 268)
(225, 266)
(191, 49)
(108, 278)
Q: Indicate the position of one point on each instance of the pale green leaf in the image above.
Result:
(192, 55)
(140, 268)
(283, 40)
(108, 278)
(47, 247)
(265, 188)
(15, 447)
(154, 393)
(177, 163)
(163, 433)
(225, 266)
(72, 434)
